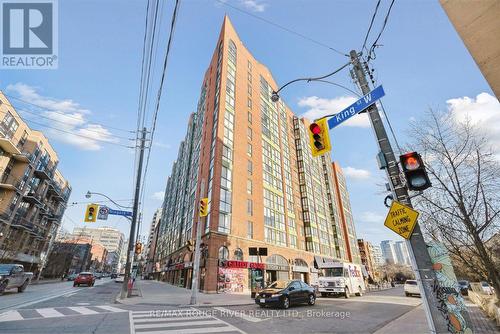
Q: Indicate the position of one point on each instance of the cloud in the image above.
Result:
(371, 217)
(159, 195)
(68, 115)
(356, 174)
(319, 107)
(254, 5)
(483, 111)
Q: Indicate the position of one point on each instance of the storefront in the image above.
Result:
(277, 268)
(238, 276)
(300, 270)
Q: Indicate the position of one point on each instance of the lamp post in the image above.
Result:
(90, 193)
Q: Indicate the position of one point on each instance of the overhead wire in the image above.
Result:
(63, 113)
(375, 43)
(225, 3)
(371, 25)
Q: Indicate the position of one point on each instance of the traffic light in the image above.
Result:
(204, 207)
(414, 170)
(138, 248)
(91, 213)
(319, 137)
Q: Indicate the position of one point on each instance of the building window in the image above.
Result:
(249, 133)
(249, 90)
(249, 149)
(250, 167)
(250, 207)
(249, 103)
(223, 253)
(249, 77)
(238, 254)
(249, 230)
(249, 187)
(249, 64)
(249, 117)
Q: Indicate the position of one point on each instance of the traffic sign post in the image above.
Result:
(401, 219)
(103, 213)
(120, 213)
(356, 107)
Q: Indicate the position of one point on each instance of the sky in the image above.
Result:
(421, 63)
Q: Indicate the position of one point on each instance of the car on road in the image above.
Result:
(340, 278)
(411, 288)
(13, 276)
(98, 275)
(486, 288)
(84, 278)
(114, 275)
(120, 278)
(464, 286)
(284, 293)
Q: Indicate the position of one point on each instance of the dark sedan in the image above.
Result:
(464, 287)
(285, 293)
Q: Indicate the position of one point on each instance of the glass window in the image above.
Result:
(249, 103)
(249, 117)
(249, 187)
(249, 149)
(223, 253)
(238, 254)
(249, 133)
(250, 167)
(249, 230)
(249, 207)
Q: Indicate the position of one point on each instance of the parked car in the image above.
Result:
(98, 275)
(120, 278)
(13, 276)
(114, 275)
(284, 293)
(84, 278)
(411, 288)
(464, 286)
(487, 289)
(71, 277)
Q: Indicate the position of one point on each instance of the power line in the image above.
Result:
(64, 114)
(371, 24)
(374, 45)
(76, 134)
(282, 28)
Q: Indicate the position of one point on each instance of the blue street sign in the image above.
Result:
(356, 107)
(120, 213)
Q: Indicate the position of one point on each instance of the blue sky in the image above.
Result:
(422, 63)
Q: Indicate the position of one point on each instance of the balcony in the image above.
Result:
(8, 146)
(42, 174)
(22, 157)
(9, 182)
(32, 198)
(22, 222)
(54, 189)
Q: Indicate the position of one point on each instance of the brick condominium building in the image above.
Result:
(251, 157)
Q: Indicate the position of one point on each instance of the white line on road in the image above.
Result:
(178, 324)
(49, 313)
(239, 314)
(10, 316)
(20, 305)
(82, 310)
(142, 320)
(196, 330)
(111, 308)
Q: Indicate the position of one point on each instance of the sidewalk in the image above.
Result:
(160, 293)
(414, 321)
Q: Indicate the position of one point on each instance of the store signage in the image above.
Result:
(242, 264)
(276, 267)
(300, 269)
(324, 262)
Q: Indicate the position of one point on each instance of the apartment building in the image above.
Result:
(33, 192)
(251, 158)
(109, 237)
(402, 254)
(366, 255)
(150, 251)
(378, 258)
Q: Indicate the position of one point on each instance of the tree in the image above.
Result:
(462, 208)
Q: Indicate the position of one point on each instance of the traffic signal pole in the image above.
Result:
(131, 242)
(421, 261)
(196, 264)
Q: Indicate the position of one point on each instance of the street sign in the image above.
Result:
(401, 219)
(120, 213)
(103, 213)
(356, 107)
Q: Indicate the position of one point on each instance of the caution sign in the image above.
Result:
(401, 219)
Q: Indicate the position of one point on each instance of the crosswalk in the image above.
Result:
(183, 321)
(56, 312)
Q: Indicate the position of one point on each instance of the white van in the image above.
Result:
(341, 278)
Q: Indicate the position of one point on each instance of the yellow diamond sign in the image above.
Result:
(401, 219)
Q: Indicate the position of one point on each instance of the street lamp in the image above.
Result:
(89, 194)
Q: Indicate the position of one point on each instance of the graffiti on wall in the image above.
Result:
(447, 290)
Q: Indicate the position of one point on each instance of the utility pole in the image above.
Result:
(421, 261)
(196, 264)
(131, 244)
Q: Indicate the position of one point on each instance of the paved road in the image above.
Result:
(92, 310)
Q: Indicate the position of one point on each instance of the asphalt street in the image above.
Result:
(61, 308)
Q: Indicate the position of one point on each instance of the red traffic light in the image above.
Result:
(414, 170)
(315, 128)
(410, 161)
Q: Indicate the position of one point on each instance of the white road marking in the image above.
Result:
(82, 310)
(131, 322)
(83, 304)
(177, 324)
(10, 316)
(195, 330)
(49, 313)
(142, 320)
(111, 308)
(239, 314)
